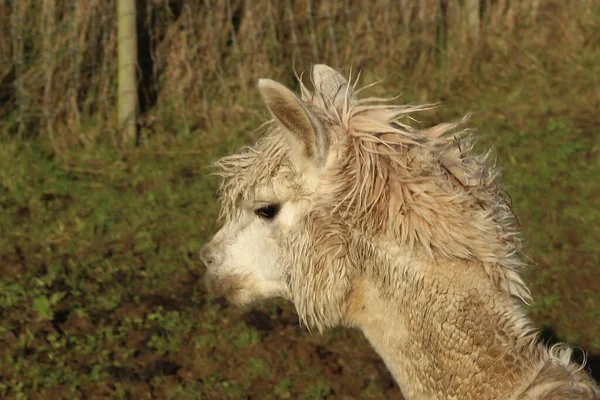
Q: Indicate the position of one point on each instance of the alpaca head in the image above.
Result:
(337, 188)
(280, 237)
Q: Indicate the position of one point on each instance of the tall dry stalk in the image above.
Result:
(17, 34)
(48, 27)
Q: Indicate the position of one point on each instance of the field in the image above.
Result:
(101, 288)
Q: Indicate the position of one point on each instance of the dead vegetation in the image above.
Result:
(58, 60)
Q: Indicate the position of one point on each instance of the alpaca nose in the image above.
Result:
(207, 255)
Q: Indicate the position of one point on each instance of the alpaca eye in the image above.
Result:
(268, 212)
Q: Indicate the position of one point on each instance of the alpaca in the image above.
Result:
(363, 221)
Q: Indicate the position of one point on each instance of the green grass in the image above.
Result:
(101, 287)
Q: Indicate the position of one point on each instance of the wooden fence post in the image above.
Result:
(127, 53)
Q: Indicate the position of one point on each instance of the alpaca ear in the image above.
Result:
(330, 84)
(307, 137)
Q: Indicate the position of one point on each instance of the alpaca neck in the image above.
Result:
(444, 332)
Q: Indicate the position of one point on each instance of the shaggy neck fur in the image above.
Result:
(446, 332)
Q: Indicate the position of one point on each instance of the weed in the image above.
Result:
(246, 338)
(283, 388)
(320, 389)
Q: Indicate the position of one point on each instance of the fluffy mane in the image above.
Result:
(427, 189)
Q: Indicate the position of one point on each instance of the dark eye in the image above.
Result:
(268, 212)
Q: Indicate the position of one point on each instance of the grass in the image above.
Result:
(101, 287)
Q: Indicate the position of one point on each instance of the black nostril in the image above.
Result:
(206, 255)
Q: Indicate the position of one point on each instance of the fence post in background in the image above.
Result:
(127, 49)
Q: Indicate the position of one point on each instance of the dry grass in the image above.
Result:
(58, 62)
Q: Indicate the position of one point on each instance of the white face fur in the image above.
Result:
(243, 258)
